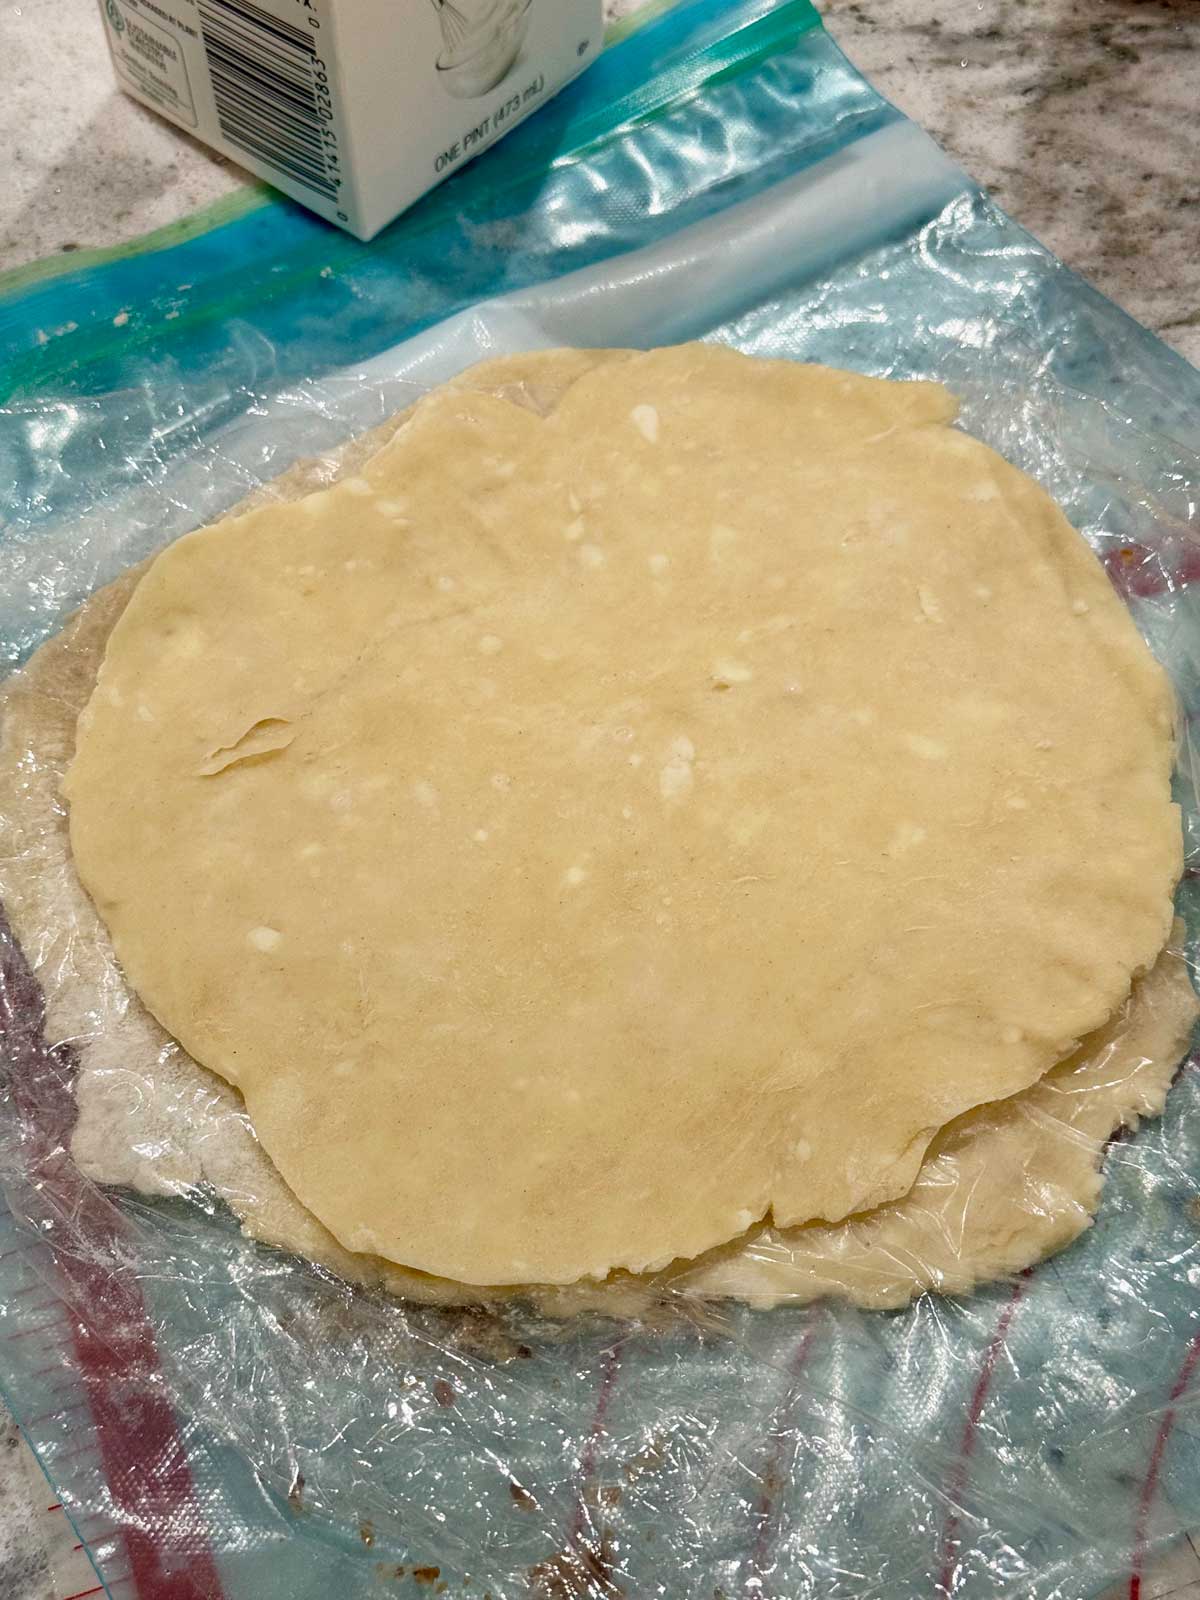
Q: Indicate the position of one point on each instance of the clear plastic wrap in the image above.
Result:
(225, 1418)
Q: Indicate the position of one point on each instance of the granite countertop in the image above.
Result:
(1078, 115)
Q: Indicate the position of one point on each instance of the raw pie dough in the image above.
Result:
(1000, 1188)
(606, 826)
(152, 1118)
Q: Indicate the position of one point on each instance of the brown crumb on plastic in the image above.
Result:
(521, 1498)
(366, 1532)
(295, 1494)
(444, 1393)
(426, 1574)
(480, 1332)
(579, 1573)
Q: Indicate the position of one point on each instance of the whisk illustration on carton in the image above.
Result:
(482, 40)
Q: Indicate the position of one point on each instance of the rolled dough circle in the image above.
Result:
(584, 832)
(1000, 1187)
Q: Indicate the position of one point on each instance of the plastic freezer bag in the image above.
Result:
(224, 1419)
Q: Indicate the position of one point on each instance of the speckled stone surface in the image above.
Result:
(85, 165)
(24, 1574)
(1082, 118)
(1079, 115)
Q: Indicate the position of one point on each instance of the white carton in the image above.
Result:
(353, 107)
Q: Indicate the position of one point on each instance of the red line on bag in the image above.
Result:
(1150, 1483)
(1135, 569)
(142, 1454)
(767, 1508)
(55, 1366)
(28, 1333)
(966, 1448)
(57, 1411)
(35, 1288)
(610, 1368)
(582, 1564)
